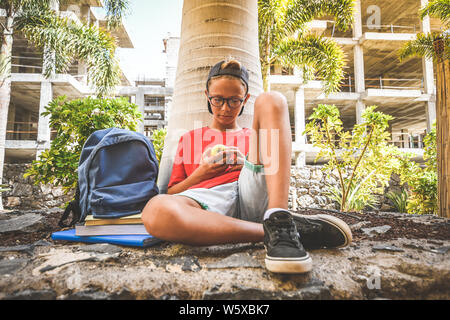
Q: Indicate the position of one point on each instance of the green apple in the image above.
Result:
(217, 148)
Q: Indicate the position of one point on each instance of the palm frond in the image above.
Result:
(299, 12)
(64, 40)
(321, 56)
(116, 10)
(422, 46)
(438, 9)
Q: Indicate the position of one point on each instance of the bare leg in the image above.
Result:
(271, 114)
(181, 219)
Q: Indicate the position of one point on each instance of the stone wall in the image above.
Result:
(26, 195)
(308, 188)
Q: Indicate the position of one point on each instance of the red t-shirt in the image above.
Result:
(191, 147)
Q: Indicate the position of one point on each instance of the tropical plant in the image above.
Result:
(74, 121)
(399, 200)
(357, 201)
(158, 137)
(362, 158)
(62, 41)
(284, 37)
(421, 179)
(423, 46)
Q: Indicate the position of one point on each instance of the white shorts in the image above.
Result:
(244, 199)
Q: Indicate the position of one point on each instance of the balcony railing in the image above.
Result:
(348, 84)
(390, 28)
(24, 64)
(21, 130)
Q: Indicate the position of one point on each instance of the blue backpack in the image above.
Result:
(117, 176)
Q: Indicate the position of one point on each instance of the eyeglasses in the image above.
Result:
(233, 103)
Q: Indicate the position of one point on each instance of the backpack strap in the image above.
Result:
(74, 207)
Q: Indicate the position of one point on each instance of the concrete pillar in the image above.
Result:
(360, 87)
(357, 24)
(43, 136)
(358, 56)
(404, 138)
(430, 109)
(360, 107)
(299, 114)
(140, 102)
(82, 73)
(428, 75)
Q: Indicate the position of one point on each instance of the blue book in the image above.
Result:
(135, 240)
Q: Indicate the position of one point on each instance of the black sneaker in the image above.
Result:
(284, 251)
(322, 231)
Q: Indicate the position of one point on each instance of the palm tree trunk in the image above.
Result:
(266, 64)
(5, 89)
(443, 134)
(211, 31)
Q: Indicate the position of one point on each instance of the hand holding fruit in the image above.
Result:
(218, 160)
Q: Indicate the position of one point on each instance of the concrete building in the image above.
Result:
(28, 134)
(373, 76)
(153, 96)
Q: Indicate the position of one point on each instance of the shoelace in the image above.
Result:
(284, 233)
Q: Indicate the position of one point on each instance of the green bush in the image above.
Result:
(421, 179)
(157, 138)
(399, 200)
(74, 121)
(363, 158)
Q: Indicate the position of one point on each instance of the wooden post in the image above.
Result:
(443, 129)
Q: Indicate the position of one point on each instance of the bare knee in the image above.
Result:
(273, 101)
(158, 215)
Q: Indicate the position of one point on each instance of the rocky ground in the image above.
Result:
(393, 256)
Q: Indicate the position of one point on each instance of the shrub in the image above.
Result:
(74, 121)
(399, 200)
(363, 159)
(158, 137)
(421, 180)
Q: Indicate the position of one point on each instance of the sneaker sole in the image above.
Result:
(289, 265)
(338, 223)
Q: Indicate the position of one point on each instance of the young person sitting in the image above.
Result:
(218, 196)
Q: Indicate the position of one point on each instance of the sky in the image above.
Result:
(148, 23)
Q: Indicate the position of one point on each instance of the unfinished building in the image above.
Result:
(28, 133)
(373, 76)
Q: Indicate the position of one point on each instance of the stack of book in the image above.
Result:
(101, 227)
(128, 231)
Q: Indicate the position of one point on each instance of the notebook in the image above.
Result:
(133, 219)
(110, 229)
(125, 240)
